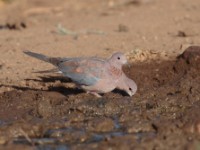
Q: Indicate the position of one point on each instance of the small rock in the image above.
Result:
(123, 28)
(2, 140)
(101, 125)
(181, 34)
(191, 51)
(45, 108)
(191, 54)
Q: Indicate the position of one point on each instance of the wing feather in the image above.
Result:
(83, 71)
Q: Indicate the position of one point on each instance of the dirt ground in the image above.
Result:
(46, 111)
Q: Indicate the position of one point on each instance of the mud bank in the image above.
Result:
(164, 114)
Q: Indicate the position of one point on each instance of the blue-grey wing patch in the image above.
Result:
(82, 71)
(82, 78)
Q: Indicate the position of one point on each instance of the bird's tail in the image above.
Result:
(55, 70)
(54, 61)
(38, 56)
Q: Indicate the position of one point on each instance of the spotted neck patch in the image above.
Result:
(115, 72)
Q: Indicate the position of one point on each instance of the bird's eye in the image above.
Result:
(130, 89)
(118, 58)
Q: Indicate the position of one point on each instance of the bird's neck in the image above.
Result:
(115, 71)
(115, 65)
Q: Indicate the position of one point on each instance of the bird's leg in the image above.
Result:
(78, 86)
(94, 93)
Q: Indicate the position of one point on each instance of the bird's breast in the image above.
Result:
(115, 72)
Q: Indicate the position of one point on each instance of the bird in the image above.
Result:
(92, 74)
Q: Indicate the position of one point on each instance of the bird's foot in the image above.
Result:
(94, 93)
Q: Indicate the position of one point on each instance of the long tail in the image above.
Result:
(55, 70)
(38, 56)
(54, 61)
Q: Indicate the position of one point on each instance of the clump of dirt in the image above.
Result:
(162, 115)
(141, 55)
(13, 26)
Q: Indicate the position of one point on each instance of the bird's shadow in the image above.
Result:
(49, 79)
(60, 89)
(121, 92)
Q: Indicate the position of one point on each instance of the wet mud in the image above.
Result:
(164, 113)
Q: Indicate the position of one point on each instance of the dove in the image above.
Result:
(92, 74)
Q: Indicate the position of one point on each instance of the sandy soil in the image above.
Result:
(46, 111)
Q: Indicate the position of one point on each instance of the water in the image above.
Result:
(61, 139)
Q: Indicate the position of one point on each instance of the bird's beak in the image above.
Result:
(128, 65)
(130, 94)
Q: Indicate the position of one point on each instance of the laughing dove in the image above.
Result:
(92, 74)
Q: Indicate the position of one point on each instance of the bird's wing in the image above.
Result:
(83, 71)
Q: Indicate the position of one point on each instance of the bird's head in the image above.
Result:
(128, 85)
(118, 58)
